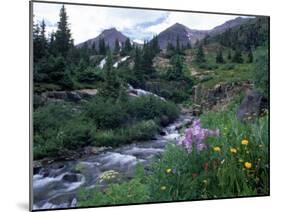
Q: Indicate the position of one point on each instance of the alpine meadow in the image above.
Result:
(148, 108)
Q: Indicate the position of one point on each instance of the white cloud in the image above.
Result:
(88, 21)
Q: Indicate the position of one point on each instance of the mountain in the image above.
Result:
(169, 35)
(177, 31)
(109, 36)
(228, 24)
(186, 34)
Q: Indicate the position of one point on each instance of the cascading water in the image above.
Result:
(56, 185)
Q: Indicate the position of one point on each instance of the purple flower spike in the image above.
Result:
(196, 136)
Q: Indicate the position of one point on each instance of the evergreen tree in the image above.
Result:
(102, 47)
(237, 58)
(147, 60)
(170, 50)
(94, 51)
(138, 71)
(250, 57)
(111, 87)
(40, 43)
(219, 57)
(63, 41)
(178, 48)
(116, 46)
(188, 45)
(229, 55)
(176, 71)
(154, 45)
(127, 46)
(200, 56)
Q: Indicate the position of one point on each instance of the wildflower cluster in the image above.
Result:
(195, 136)
(108, 175)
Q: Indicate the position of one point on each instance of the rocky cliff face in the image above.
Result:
(220, 95)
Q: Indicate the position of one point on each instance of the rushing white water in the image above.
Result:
(102, 63)
(123, 59)
(141, 92)
(56, 185)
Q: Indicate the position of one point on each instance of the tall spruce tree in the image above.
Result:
(112, 86)
(237, 58)
(138, 71)
(63, 41)
(178, 48)
(219, 57)
(102, 47)
(176, 71)
(127, 46)
(200, 56)
(250, 57)
(116, 46)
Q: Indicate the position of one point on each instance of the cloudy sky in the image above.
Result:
(88, 21)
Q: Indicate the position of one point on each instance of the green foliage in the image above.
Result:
(126, 193)
(102, 47)
(200, 56)
(149, 107)
(112, 86)
(105, 113)
(237, 57)
(261, 71)
(116, 46)
(176, 71)
(219, 57)
(250, 34)
(63, 41)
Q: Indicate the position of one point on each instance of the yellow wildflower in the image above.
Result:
(248, 165)
(163, 188)
(244, 142)
(168, 170)
(217, 149)
(241, 160)
(233, 150)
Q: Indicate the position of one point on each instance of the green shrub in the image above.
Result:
(150, 107)
(208, 66)
(228, 66)
(106, 113)
(126, 193)
(261, 72)
(177, 175)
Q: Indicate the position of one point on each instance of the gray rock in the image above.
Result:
(71, 178)
(252, 105)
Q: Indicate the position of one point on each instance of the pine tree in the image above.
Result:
(237, 58)
(116, 46)
(154, 45)
(219, 57)
(138, 71)
(94, 51)
(111, 87)
(229, 55)
(127, 46)
(188, 45)
(250, 57)
(147, 60)
(178, 48)
(63, 41)
(200, 56)
(102, 47)
(176, 71)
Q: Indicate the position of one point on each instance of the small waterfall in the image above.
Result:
(102, 63)
(141, 92)
(123, 59)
